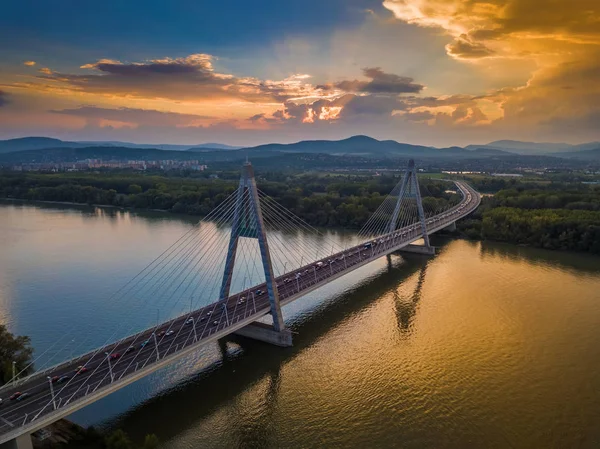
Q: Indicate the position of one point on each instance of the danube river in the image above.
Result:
(483, 346)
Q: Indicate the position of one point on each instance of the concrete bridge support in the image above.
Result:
(451, 227)
(21, 442)
(248, 223)
(419, 249)
(266, 333)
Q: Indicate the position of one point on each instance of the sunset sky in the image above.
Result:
(435, 72)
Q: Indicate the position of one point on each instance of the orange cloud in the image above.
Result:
(29, 63)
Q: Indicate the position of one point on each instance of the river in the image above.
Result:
(485, 345)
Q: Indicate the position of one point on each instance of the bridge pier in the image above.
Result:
(21, 442)
(419, 249)
(451, 227)
(266, 333)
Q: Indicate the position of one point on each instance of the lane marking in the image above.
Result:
(7, 421)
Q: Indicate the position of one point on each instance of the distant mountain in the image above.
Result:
(356, 145)
(66, 154)
(215, 146)
(38, 143)
(37, 149)
(33, 143)
(492, 151)
(157, 146)
(534, 148)
(547, 147)
(592, 155)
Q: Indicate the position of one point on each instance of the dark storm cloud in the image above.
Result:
(465, 48)
(380, 83)
(189, 78)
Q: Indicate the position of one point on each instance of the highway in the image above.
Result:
(137, 352)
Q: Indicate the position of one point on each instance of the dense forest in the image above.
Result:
(321, 200)
(551, 214)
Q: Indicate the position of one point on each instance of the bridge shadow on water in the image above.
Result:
(177, 409)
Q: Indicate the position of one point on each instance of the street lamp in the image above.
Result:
(112, 377)
(156, 345)
(52, 392)
(14, 371)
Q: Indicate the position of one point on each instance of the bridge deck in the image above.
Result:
(206, 324)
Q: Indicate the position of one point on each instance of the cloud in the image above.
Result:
(29, 63)
(189, 78)
(133, 117)
(465, 48)
(380, 83)
(483, 29)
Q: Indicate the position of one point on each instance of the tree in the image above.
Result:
(150, 442)
(134, 189)
(14, 349)
(118, 440)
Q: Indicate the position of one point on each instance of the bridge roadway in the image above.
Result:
(208, 324)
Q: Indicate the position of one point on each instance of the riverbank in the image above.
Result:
(71, 203)
(58, 435)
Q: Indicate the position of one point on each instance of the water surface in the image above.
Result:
(482, 346)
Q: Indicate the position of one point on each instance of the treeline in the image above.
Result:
(321, 200)
(91, 438)
(561, 216)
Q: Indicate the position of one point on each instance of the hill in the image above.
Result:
(34, 143)
(216, 146)
(592, 155)
(39, 143)
(356, 145)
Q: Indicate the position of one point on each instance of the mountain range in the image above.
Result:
(43, 148)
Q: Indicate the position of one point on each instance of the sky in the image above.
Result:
(431, 72)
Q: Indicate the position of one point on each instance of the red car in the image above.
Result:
(81, 369)
(15, 396)
(115, 356)
(54, 379)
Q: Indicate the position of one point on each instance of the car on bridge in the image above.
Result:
(144, 343)
(82, 369)
(23, 396)
(115, 356)
(15, 396)
(169, 333)
(190, 320)
(130, 349)
(259, 293)
(62, 379)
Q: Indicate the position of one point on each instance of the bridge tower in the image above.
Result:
(410, 186)
(248, 222)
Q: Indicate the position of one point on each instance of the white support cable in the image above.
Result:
(293, 242)
(293, 217)
(93, 355)
(286, 226)
(128, 286)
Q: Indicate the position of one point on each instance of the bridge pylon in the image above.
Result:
(248, 222)
(410, 184)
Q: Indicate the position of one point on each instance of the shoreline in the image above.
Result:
(71, 203)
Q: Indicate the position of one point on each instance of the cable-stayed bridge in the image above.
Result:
(245, 260)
